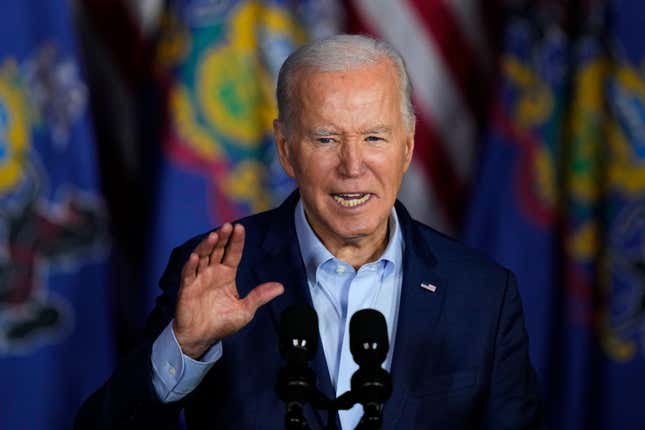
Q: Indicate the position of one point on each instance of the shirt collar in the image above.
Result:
(314, 253)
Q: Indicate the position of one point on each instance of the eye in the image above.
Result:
(374, 139)
(325, 140)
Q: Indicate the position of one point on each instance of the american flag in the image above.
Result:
(429, 287)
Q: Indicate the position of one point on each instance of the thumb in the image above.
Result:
(261, 295)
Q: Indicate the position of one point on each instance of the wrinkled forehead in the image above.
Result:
(371, 91)
(382, 71)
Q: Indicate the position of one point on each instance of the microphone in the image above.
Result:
(368, 341)
(371, 384)
(298, 341)
(298, 333)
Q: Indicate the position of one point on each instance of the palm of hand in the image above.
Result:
(209, 307)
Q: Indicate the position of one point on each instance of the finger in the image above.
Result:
(190, 268)
(233, 252)
(205, 247)
(203, 263)
(261, 295)
(218, 250)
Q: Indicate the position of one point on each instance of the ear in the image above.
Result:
(409, 148)
(282, 145)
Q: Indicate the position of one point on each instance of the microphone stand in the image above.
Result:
(369, 387)
(296, 387)
(372, 411)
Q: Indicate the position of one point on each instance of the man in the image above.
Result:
(345, 133)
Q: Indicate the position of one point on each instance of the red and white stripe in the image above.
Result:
(443, 45)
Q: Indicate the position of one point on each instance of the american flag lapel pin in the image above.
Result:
(429, 287)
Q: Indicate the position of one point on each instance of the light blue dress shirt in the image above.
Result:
(337, 292)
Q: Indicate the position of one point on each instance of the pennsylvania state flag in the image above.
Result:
(561, 201)
(56, 336)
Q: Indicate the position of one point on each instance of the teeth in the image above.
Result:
(350, 200)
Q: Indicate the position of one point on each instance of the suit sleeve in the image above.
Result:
(128, 399)
(514, 402)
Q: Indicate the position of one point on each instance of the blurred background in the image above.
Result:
(128, 126)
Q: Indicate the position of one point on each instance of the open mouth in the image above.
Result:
(350, 200)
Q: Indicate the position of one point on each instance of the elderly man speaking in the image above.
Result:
(342, 243)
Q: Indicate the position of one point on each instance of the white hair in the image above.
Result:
(339, 53)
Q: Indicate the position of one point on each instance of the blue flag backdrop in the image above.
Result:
(560, 201)
(56, 328)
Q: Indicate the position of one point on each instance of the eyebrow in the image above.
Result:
(324, 132)
(380, 129)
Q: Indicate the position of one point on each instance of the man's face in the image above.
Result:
(347, 149)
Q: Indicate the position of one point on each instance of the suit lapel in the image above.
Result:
(282, 263)
(419, 310)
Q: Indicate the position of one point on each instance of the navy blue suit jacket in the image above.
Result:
(460, 359)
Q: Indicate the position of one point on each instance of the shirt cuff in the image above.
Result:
(175, 374)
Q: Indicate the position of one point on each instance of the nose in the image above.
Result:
(351, 163)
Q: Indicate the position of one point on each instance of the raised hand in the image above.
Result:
(209, 307)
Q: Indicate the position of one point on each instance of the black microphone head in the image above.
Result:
(368, 339)
(298, 333)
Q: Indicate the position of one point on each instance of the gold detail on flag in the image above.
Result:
(15, 132)
(584, 243)
(242, 183)
(535, 103)
(626, 173)
(188, 129)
